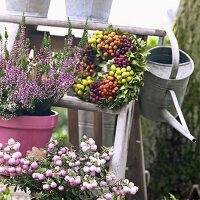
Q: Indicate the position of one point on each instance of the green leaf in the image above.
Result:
(172, 197)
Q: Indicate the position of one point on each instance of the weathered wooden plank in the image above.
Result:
(73, 127)
(119, 159)
(80, 25)
(74, 102)
(135, 163)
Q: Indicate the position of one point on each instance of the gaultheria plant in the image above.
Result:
(63, 172)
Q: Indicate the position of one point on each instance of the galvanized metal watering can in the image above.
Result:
(165, 84)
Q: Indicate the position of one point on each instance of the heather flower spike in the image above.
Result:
(32, 80)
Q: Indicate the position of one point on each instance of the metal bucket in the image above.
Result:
(165, 83)
(33, 8)
(95, 10)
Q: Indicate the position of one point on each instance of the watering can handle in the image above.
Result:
(175, 53)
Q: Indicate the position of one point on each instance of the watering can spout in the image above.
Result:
(167, 116)
(175, 124)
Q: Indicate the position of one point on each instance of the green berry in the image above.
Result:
(118, 72)
(113, 68)
(128, 68)
(123, 80)
(123, 69)
(128, 79)
(111, 73)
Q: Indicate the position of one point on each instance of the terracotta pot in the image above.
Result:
(30, 131)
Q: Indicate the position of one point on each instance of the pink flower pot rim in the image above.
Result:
(31, 122)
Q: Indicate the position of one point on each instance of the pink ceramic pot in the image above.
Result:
(30, 131)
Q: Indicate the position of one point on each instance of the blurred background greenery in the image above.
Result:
(61, 131)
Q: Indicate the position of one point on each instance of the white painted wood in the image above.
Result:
(80, 25)
(75, 103)
(123, 128)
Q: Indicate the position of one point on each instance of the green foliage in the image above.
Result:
(171, 197)
(152, 42)
(60, 132)
(5, 195)
(84, 37)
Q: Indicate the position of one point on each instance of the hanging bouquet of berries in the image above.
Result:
(62, 173)
(111, 70)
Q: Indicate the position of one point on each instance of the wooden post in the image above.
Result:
(135, 163)
(123, 128)
(73, 127)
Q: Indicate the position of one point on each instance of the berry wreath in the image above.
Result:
(111, 69)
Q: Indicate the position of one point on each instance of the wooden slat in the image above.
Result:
(73, 126)
(80, 25)
(74, 102)
(98, 129)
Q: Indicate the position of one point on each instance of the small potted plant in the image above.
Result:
(63, 173)
(30, 84)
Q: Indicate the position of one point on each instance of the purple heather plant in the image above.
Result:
(32, 81)
(63, 173)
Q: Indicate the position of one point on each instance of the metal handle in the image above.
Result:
(175, 53)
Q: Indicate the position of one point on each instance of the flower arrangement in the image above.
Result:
(111, 71)
(30, 80)
(66, 173)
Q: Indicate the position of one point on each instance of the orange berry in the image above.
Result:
(110, 98)
(113, 33)
(116, 88)
(112, 54)
(116, 37)
(106, 46)
(112, 44)
(110, 51)
(110, 83)
(115, 47)
(105, 54)
(98, 40)
(99, 46)
(113, 91)
(110, 39)
(111, 78)
(105, 37)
